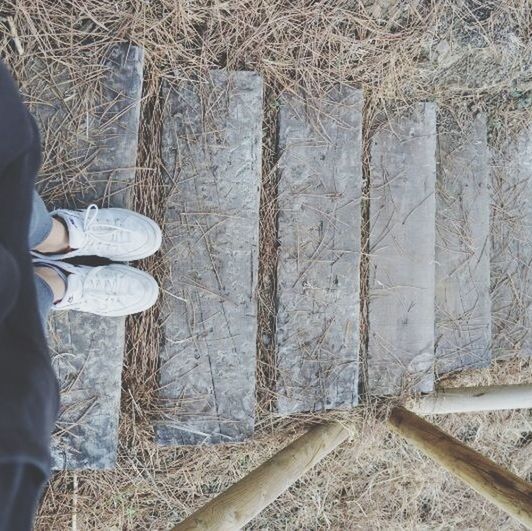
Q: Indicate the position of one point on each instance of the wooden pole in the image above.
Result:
(235, 507)
(468, 399)
(506, 490)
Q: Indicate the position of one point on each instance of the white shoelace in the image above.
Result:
(91, 232)
(101, 290)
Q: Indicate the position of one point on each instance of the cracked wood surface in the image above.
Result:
(87, 350)
(402, 239)
(318, 293)
(463, 304)
(211, 147)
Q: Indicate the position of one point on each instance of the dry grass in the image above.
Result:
(458, 53)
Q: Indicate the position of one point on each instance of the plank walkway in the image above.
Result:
(463, 304)
(402, 239)
(88, 350)
(511, 256)
(319, 237)
(212, 139)
(429, 304)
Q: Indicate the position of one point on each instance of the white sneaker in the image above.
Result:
(111, 290)
(115, 233)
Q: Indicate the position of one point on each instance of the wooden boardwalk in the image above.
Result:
(463, 304)
(511, 256)
(433, 252)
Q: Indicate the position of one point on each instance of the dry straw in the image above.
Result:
(464, 54)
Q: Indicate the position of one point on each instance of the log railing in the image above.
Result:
(239, 504)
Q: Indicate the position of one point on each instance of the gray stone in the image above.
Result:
(211, 147)
(463, 304)
(402, 238)
(511, 255)
(319, 235)
(88, 350)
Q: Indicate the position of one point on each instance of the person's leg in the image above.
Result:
(29, 393)
(47, 234)
(21, 486)
(45, 293)
(41, 222)
(9, 282)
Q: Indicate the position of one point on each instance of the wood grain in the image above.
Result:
(511, 256)
(463, 303)
(320, 180)
(402, 238)
(211, 146)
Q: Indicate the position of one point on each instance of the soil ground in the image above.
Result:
(466, 55)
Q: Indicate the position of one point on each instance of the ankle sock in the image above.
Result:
(61, 274)
(67, 230)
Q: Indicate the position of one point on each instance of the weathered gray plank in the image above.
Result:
(402, 238)
(87, 350)
(212, 154)
(463, 304)
(89, 128)
(511, 255)
(87, 354)
(319, 234)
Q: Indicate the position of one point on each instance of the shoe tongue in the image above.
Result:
(74, 224)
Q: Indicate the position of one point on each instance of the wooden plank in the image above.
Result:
(319, 236)
(211, 145)
(402, 238)
(463, 304)
(511, 256)
(87, 354)
(87, 350)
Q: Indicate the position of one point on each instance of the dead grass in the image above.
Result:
(458, 53)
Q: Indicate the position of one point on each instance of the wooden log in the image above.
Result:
(235, 507)
(469, 399)
(506, 490)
